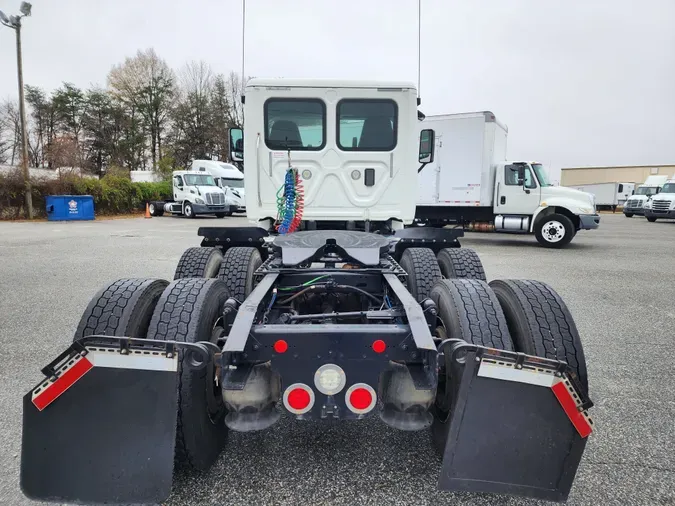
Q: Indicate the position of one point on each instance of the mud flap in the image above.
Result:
(518, 426)
(102, 426)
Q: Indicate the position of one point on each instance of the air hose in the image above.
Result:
(290, 203)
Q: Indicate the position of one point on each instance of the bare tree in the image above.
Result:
(145, 83)
(235, 89)
(10, 128)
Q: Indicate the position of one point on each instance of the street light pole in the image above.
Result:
(24, 134)
(14, 22)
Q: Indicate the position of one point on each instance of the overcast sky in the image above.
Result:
(578, 82)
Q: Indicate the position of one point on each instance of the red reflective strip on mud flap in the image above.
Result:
(67, 379)
(569, 405)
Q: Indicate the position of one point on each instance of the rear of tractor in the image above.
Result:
(320, 325)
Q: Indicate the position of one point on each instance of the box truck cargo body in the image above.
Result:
(465, 178)
(608, 195)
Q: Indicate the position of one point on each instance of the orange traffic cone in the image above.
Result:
(147, 210)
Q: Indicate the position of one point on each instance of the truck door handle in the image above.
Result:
(369, 177)
(502, 201)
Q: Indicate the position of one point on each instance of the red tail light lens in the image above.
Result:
(360, 398)
(298, 398)
(280, 346)
(379, 346)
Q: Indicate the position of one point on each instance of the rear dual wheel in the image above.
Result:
(186, 310)
(516, 315)
(199, 263)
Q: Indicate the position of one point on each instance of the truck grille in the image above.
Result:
(661, 205)
(214, 199)
(633, 203)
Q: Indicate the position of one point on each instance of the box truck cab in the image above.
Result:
(466, 179)
(662, 205)
(194, 194)
(635, 204)
(228, 177)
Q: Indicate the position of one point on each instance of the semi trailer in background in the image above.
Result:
(469, 181)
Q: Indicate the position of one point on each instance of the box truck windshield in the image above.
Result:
(668, 188)
(232, 183)
(541, 174)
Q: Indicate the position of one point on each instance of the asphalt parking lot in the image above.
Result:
(616, 280)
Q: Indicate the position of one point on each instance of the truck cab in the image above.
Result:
(635, 204)
(228, 177)
(352, 144)
(196, 193)
(661, 205)
(524, 196)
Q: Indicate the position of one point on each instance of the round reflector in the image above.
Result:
(360, 398)
(298, 398)
(379, 346)
(330, 379)
(280, 346)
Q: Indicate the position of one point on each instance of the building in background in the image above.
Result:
(572, 176)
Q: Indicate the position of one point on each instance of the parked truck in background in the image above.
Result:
(662, 205)
(608, 195)
(468, 181)
(635, 204)
(228, 177)
(193, 194)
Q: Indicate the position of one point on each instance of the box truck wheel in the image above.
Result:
(460, 263)
(199, 263)
(554, 230)
(628, 215)
(423, 271)
(237, 270)
(467, 309)
(540, 323)
(188, 311)
(123, 308)
(651, 219)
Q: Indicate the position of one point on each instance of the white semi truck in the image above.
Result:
(608, 195)
(661, 206)
(193, 194)
(468, 181)
(635, 204)
(228, 177)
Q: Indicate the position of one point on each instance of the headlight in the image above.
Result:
(586, 210)
(648, 204)
(198, 201)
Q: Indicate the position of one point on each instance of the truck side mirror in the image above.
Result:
(237, 144)
(427, 145)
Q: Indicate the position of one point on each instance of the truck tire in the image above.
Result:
(554, 231)
(188, 211)
(423, 271)
(540, 323)
(651, 219)
(460, 263)
(628, 215)
(221, 215)
(154, 209)
(199, 263)
(237, 268)
(469, 310)
(123, 309)
(187, 312)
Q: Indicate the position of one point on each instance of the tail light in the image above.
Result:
(360, 398)
(298, 398)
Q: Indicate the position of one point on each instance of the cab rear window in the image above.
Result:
(296, 124)
(367, 125)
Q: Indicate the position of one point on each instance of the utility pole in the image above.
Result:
(14, 22)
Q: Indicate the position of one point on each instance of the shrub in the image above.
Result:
(113, 194)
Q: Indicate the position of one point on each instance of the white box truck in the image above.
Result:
(466, 179)
(229, 178)
(608, 195)
(635, 204)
